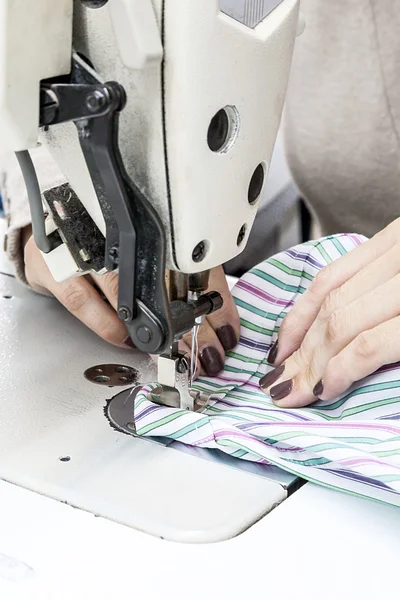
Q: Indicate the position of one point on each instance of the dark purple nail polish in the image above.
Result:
(211, 361)
(318, 389)
(128, 342)
(280, 391)
(227, 337)
(271, 377)
(273, 353)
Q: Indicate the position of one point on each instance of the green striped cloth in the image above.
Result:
(351, 444)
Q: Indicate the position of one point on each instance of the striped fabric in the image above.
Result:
(351, 444)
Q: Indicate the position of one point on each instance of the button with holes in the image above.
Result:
(112, 375)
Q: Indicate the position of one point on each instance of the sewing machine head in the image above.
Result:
(162, 114)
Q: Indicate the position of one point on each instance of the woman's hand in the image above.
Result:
(343, 328)
(79, 295)
(82, 296)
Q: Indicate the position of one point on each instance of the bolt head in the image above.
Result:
(124, 313)
(199, 252)
(114, 254)
(95, 101)
(144, 334)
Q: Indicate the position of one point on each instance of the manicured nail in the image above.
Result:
(318, 389)
(227, 337)
(271, 377)
(211, 361)
(280, 391)
(128, 342)
(273, 353)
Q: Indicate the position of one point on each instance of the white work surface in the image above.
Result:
(49, 411)
(315, 544)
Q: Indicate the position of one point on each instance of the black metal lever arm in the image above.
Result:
(135, 237)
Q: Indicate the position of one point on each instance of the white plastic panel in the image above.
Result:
(211, 61)
(136, 31)
(49, 410)
(35, 43)
(214, 61)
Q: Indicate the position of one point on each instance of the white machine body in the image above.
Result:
(180, 62)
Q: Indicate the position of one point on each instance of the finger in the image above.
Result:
(108, 284)
(78, 296)
(226, 321)
(211, 352)
(300, 318)
(289, 385)
(85, 303)
(366, 354)
(381, 270)
(342, 327)
(36, 271)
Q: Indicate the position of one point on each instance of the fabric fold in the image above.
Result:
(351, 444)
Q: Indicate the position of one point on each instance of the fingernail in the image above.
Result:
(227, 337)
(318, 389)
(211, 361)
(273, 353)
(280, 391)
(128, 342)
(271, 377)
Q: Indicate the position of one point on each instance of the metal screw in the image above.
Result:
(241, 235)
(84, 254)
(95, 101)
(114, 254)
(124, 313)
(199, 252)
(144, 334)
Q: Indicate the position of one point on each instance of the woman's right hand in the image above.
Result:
(79, 295)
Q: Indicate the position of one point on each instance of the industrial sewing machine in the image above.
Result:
(163, 117)
(165, 165)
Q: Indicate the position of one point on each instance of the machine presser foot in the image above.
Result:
(173, 391)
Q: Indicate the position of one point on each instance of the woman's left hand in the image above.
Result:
(343, 328)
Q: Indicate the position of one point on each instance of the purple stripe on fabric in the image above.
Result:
(255, 345)
(395, 416)
(221, 433)
(147, 411)
(360, 478)
(256, 291)
(254, 424)
(245, 405)
(304, 257)
(334, 425)
(209, 438)
(262, 409)
(387, 368)
(235, 382)
(351, 462)
(354, 238)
